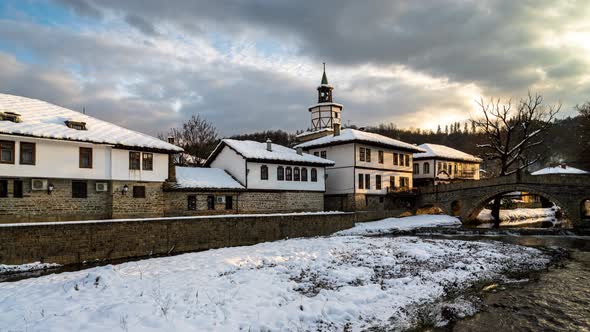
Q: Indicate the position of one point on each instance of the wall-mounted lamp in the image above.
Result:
(125, 190)
(50, 188)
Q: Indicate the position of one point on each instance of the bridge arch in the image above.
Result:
(477, 204)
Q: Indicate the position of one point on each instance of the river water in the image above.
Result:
(557, 300)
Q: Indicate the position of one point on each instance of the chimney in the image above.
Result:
(268, 144)
(563, 165)
(171, 166)
(337, 129)
(300, 151)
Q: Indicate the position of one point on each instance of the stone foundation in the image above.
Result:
(280, 201)
(127, 206)
(176, 203)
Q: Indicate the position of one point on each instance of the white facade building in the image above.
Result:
(269, 167)
(442, 164)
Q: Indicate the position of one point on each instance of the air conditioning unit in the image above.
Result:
(39, 184)
(102, 186)
(221, 199)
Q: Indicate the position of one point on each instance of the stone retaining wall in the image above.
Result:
(77, 242)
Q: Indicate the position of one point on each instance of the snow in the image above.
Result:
(202, 177)
(306, 133)
(520, 216)
(5, 269)
(353, 135)
(328, 284)
(326, 103)
(42, 119)
(441, 151)
(559, 170)
(407, 223)
(257, 150)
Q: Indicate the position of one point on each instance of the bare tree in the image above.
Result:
(196, 136)
(584, 134)
(512, 133)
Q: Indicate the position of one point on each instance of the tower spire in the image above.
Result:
(324, 77)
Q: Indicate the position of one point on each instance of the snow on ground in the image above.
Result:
(407, 223)
(5, 269)
(312, 284)
(520, 216)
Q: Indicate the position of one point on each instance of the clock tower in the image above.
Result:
(326, 114)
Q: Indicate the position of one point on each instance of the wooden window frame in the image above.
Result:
(76, 194)
(316, 153)
(361, 154)
(229, 202)
(3, 188)
(296, 174)
(150, 163)
(416, 169)
(139, 191)
(368, 181)
(304, 174)
(191, 202)
(20, 192)
(378, 181)
(368, 155)
(361, 181)
(211, 202)
(10, 143)
(380, 156)
(34, 146)
(80, 153)
(426, 168)
(132, 153)
(314, 175)
(396, 159)
(288, 174)
(324, 154)
(264, 172)
(280, 173)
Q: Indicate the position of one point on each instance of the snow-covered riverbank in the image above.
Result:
(295, 285)
(521, 216)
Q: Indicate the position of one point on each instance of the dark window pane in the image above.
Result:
(263, 172)
(27, 153)
(378, 182)
(361, 181)
(314, 175)
(85, 158)
(18, 189)
(324, 154)
(296, 174)
(79, 189)
(229, 202)
(368, 155)
(289, 175)
(134, 158)
(148, 161)
(7, 152)
(211, 202)
(368, 181)
(280, 173)
(304, 174)
(381, 157)
(192, 202)
(3, 188)
(138, 191)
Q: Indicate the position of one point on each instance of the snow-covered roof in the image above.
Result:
(353, 135)
(253, 150)
(441, 151)
(559, 170)
(305, 133)
(325, 104)
(42, 119)
(204, 177)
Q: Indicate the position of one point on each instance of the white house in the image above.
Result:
(59, 164)
(560, 169)
(442, 164)
(275, 177)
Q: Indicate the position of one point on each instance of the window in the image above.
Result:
(27, 153)
(263, 172)
(6, 152)
(280, 173)
(378, 182)
(455, 168)
(79, 189)
(3, 188)
(304, 174)
(408, 161)
(191, 202)
(404, 182)
(324, 154)
(361, 181)
(76, 125)
(416, 168)
(10, 116)
(296, 174)
(134, 158)
(289, 175)
(229, 202)
(368, 155)
(381, 199)
(210, 202)
(426, 168)
(316, 153)
(362, 154)
(138, 191)
(85, 160)
(314, 175)
(395, 159)
(148, 162)
(367, 181)
(380, 156)
(18, 189)
(392, 182)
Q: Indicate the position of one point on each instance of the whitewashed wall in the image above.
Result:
(60, 159)
(254, 181)
(232, 162)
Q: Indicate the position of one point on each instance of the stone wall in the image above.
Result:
(76, 242)
(176, 203)
(127, 206)
(59, 205)
(280, 201)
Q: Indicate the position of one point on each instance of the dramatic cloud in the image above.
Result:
(254, 65)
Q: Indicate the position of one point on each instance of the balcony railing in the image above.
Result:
(392, 190)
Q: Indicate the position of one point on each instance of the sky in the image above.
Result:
(254, 65)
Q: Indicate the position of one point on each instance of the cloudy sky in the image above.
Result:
(254, 65)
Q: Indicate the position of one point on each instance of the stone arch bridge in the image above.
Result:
(467, 199)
